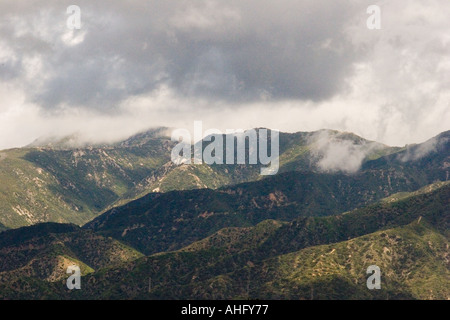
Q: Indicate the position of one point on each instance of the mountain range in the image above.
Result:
(141, 227)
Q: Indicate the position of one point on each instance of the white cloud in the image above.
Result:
(335, 153)
(294, 66)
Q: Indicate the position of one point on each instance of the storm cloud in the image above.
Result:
(290, 65)
(227, 50)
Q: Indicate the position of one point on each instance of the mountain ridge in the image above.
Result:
(76, 185)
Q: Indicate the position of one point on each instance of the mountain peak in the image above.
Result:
(79, 141)
(143, 137)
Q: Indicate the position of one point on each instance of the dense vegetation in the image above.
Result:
(67, 182)
(160, 231)
(310, 257)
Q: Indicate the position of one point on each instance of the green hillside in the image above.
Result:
(223, 231)
(72, 185)
(413, 260)
(68, 182)
(308, 258)
(313, 257)
(169, 221)
(43, 253)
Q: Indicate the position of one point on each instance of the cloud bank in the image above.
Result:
(335, 152)
(290, 65)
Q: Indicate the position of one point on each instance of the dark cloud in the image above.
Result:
(289, 64)
(220, 50)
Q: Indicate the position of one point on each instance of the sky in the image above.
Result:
(237, 64)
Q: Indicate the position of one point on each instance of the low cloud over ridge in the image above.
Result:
(292, 65)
